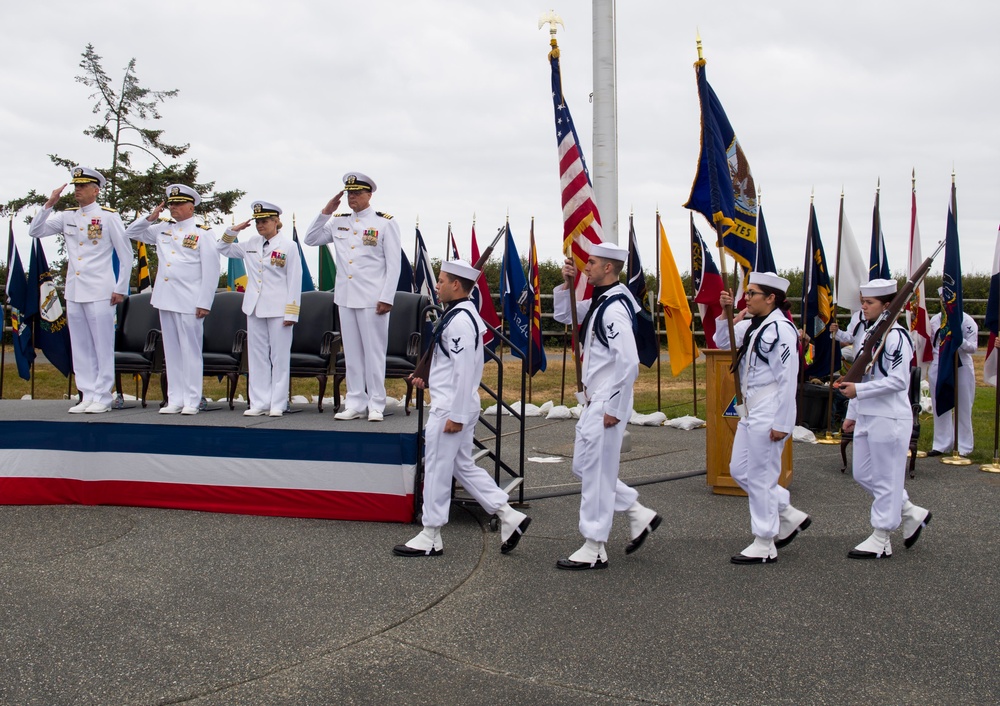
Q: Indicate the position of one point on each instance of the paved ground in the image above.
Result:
(112, 605)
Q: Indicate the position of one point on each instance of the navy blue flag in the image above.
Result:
(950, 334)
(307, 280)
(405, 281)
(765, 258)
(45, 309)
(723, 190)
(878, 266)
(646, 340)
(17, 297)
(817, 311)
(514, 294)
(423, 275)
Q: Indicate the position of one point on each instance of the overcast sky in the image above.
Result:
(446, 105)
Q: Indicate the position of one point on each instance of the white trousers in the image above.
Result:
(92, 338)
(596, 457)
(448, 456)
(880, 445)
(269, 344)
(365, 335)
(182, 346)
(756, 466)
(944, 425)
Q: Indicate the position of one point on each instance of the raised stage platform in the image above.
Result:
(303, 464)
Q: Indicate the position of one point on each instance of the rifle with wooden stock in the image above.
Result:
(875, 338)
(423, 368)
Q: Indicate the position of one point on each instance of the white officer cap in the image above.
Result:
(356, 181)
(460, 268)
(609, 251)
(86, 175)
(769, 279)
(263, 209)
(178, 193)
(878, 288)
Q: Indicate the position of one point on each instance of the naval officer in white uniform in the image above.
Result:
(455, 374)
(184, 290)
(91, 234)
(367, 247)
(610, 369)
(768, 362)
(271, 303)
(965, 378)
(881, 417)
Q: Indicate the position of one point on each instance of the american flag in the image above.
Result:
(581, 221)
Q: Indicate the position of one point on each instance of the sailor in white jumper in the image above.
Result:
(769, 365)
(881, 417)
(455, 374)
(186, 280)
(91, 234)
(610, 368)
(965, 376)
(271, 303)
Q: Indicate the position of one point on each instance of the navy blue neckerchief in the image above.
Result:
(450, 313)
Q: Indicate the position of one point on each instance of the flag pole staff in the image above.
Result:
(955, 459)
(531, 318)
(806, 276)
(656, 314)
(728, 309)
(552, 19)
(3, 326)
(914, 304)
(694, 293)
(830, 437)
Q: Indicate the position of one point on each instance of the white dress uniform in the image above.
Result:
(273, 295)
(368, 255)
(768, 376)
(91, 234)
(944, 425)
(610, 368)
(186, 280)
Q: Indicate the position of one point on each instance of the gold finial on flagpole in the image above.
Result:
(418, 220)
(760, 190)
(841, 192)
(812, 195)
(913, 179)
(953, 174)
(878, 185)
(697, 41)
(293, 219)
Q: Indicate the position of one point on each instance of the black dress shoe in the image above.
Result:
(638, 541)
(856, 554)
(912, 539)
(779, 543)
(934, 452)
(570, 565)
(403, 550)
(744, 559)
(508, 546)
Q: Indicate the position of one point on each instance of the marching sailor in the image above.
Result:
(610, 368)
(184, 290)
(271, 303)
(368, 254)
(881, 417)
(455, 373)
(965, 379)
(91, 234)
(769, 367)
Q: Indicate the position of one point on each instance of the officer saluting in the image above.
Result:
(271, 303)
(610, 368)
(91, 233)
(186, 281)
(456, 371)
(366, 243)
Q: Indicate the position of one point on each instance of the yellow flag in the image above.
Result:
(676, 311)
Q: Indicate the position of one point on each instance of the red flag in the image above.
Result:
(916, 308)
(487, 311)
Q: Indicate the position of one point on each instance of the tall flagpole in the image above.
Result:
(531, 317)
(955, 459)
(694, 293)
(605, 165)
(830, 437)
(3, 319)
(806, 276)
(656, 315)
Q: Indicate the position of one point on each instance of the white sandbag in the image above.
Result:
(656, 419)
(803, 434)
(559, 411)
(299, 399)
(544, 409)
(686, 423)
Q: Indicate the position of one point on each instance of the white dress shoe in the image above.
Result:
(791, 522)
(275, 413)
(189, 410)
(641, 522)
(915, 518)
(375, 416)
(427, 543)
(80, 408)
(761, 551)
(875, 547)
(171, 409)
(348, 414)
(98, 408)
(254, 412)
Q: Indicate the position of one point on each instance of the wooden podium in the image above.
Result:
(719, 391)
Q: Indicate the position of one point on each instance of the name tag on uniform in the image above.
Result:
(370, 237)
(342, 228)
(94, 230)
(277, 259)
(191, 241)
